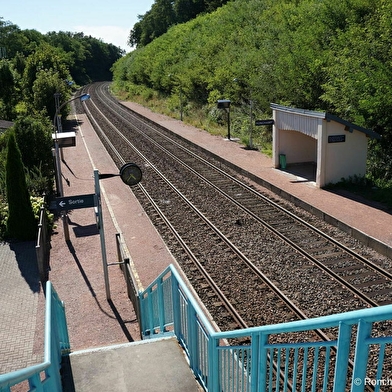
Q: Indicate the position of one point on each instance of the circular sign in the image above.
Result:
(131, 174)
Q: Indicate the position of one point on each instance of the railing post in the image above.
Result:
(259, 362)
(361, 356)
(343, 352)
(213, 380)
(58, 338)
(192, 338)
(142, 309)
(161, 307)
(42, 247)
(176, 306)
(150, 311)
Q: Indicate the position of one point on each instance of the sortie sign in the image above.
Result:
(72, 202)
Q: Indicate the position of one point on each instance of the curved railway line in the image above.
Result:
(250, 259)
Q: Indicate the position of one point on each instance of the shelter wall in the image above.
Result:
(347, 158)
(298, 147)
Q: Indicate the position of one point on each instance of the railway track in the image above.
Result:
(206, 184)
(251, 260)
(201, 260)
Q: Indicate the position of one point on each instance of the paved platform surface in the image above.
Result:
(76, 264)
(143, 367)
(20, 295)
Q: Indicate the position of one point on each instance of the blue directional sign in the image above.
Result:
(73, 202)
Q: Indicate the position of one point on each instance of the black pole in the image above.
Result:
(228, 123)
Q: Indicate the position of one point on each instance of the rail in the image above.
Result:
(168, 307)
(46, 375)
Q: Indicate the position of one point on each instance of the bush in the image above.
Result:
(21, 223)
(36, 203)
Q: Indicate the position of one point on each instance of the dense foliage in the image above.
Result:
(320, 55)
(33, 68)
(166, 13)
(21, 223)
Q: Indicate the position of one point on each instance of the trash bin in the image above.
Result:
(282, 161)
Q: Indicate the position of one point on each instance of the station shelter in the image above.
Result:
(336, 148)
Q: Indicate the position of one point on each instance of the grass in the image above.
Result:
(207, 118)
(262, 139)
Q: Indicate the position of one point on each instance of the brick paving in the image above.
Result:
(19, 306)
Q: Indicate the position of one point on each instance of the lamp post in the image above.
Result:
(250, 121)
(225, 104)
(57, 129)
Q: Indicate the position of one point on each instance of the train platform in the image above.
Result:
(106, 328)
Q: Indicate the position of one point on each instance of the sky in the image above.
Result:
(109, 20)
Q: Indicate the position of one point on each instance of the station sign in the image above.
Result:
(264, 122)
(73, 202)
(336, 138)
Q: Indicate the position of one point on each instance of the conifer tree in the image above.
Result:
(21, 223)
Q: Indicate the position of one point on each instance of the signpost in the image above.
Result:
(130, 174)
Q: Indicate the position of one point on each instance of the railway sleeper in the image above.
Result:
(347, 278)
(328, 255)
(328, 248)
(371, 283)
(385, 302)
(317, 244)
(280, 223)
(350, 268)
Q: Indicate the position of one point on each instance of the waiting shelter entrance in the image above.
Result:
(324, 146)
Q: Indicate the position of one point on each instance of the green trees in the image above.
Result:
(21, 223)
(358, 86)
(34, 139)
(186, 10)
(166, 13)
(7, 95)
(33, 67)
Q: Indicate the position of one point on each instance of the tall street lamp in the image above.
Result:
(225, 104)
(58, 129)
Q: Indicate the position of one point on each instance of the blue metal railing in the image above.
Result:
(45, 377)
(273, 357)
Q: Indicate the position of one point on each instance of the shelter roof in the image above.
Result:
(326, 116)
